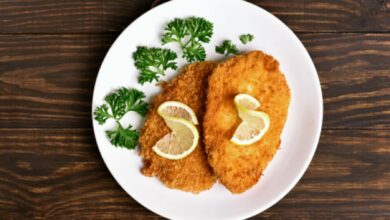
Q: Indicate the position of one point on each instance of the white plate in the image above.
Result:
(300, 136)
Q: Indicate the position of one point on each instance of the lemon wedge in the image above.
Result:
(177, 110)
(184, 136)
(254, 123)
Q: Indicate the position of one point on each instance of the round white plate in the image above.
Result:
(300, 137)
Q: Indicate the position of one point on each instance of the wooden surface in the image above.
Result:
(50, 52)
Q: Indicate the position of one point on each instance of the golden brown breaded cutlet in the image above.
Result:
(192, 173)
(257, 74)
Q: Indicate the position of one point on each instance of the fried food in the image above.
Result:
(257, 74)
(192, 173)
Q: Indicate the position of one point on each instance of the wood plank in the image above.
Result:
(95, 16)
(331, 15)
(348, 179)
(51, 173)
(69, 16)
(354, 71)
(48, 174)
(47, 80)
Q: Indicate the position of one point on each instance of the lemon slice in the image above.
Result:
(183, 139)
(254, 123)
(177, 110)
(180, 142)
(246, 101)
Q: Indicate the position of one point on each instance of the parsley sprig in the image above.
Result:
(246, 38)
(118, 103)
(226, 48)
(153, 62)
(189, 33)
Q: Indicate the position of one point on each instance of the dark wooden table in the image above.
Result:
(50, 52)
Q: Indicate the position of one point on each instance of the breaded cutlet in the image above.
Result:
(192, 173)
(257, 74)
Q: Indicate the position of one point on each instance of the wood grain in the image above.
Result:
(47, 80)
(69, 16)
(354, 71)
(50, 53)
(53, 173)
(92, 16)
(47, 174)
(331, 15)
(348, 179)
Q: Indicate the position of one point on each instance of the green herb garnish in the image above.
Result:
(117, 105)
(189, 33)
(153, 62)
(227, 48)
(123, 137)
(245, 38)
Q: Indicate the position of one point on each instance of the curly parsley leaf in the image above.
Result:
(245, 38)
(199, 29)
(122, 101)
(153, 62)
(101, 114)
(175, 31)
(119, 103)
(134, 100)
(123, 137)
(194, 53)
(226, 48)
(189, 33)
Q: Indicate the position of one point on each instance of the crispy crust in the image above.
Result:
(192, 173)
(258, 74)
